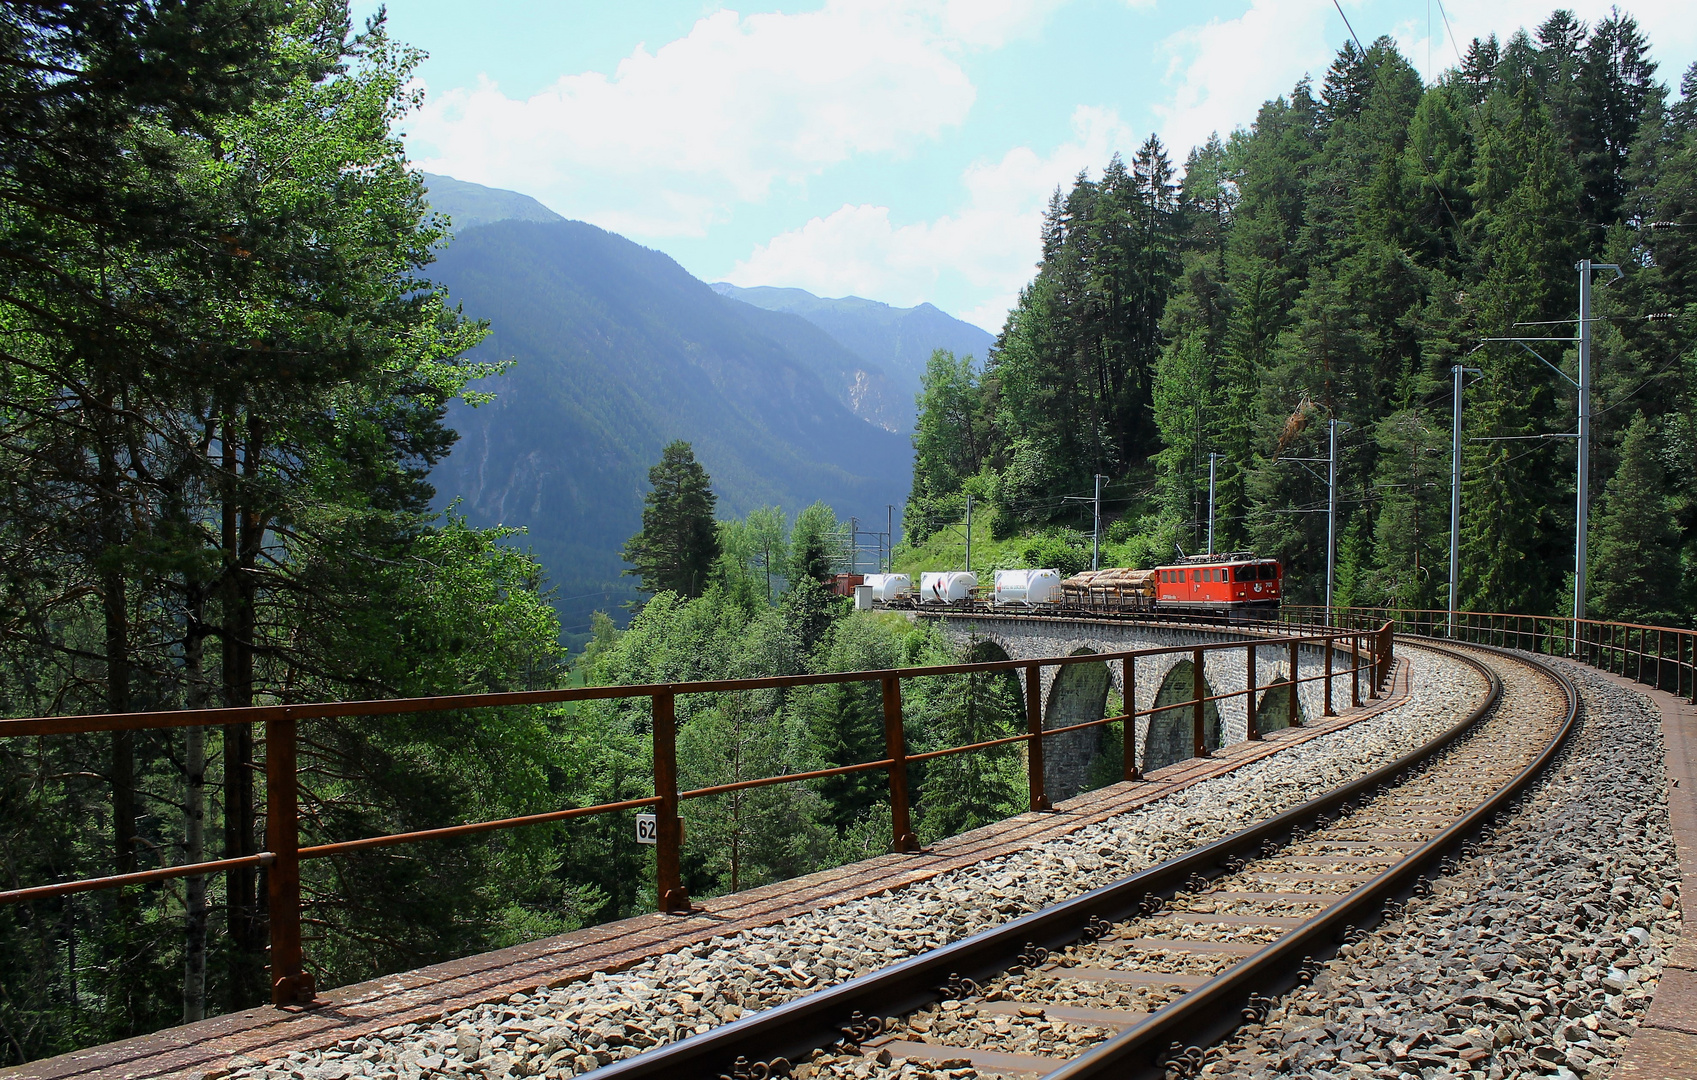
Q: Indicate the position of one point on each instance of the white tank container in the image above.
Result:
(1028, 587)
(889, 587)
(947, 586)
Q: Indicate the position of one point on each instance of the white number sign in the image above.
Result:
(647, 829)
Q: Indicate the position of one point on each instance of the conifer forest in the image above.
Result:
(1333, 261)
(225, 378)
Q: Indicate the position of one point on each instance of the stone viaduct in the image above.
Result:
(1079, 692)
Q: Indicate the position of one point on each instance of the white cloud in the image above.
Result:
(1222, 70)
(672, 138)
(991, 244)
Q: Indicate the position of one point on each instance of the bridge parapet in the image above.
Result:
(293, 983)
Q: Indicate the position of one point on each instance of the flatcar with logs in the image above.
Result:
(1237, 583)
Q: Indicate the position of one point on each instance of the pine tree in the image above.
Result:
(1635, 572)
(815, 544)
(679, 543)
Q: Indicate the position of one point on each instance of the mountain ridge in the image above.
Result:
(899, 339)
(617, 350)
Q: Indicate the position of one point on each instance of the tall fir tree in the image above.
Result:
(679, 542)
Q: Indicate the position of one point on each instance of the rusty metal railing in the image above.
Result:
(1664, 657)
(1369, 660)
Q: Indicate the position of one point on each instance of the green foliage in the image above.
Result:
(962, 792)
(751, 837)
(224, 387)
(1634, 552)
(679, 542)
(951, 443)
(816, 544)
(1065, 550)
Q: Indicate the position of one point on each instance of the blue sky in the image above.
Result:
(900, 150)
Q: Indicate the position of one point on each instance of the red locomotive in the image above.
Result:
(1218, 583)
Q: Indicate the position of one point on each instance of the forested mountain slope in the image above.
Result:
(864, 386)
(899, 340)
(1332, 261)
(616, 351)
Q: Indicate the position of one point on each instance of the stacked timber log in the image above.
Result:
(1116, 587)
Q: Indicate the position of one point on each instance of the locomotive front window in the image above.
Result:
(1269, 571)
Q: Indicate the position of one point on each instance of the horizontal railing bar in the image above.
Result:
(816, 774)
(140, 877)
(448, 832)
(948, 750)
(165, 718)
(1442, 615)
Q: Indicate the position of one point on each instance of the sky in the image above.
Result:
(899, 150)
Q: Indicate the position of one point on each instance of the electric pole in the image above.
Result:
(969, 534)
(1331, 516)
(1096, 532)
(1582, 511)
(1583, 514)
(889, 538)
(1455, 491)
(1212, 458)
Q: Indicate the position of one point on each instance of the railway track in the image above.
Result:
(1136, 978)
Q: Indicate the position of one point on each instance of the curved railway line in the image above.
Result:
(1136, 978)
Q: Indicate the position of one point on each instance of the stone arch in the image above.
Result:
(1169, 735)
(1272, 712)
(1077, 695)
(988, 651)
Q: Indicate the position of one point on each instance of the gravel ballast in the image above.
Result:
(1536, 958)
(570, 1030)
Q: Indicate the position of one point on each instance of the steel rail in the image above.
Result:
(795, 1029)
(1214, 1010)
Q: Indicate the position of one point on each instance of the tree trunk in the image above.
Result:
(194, 816)
(247, 945)
(122, 775)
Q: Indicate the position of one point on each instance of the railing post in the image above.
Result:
(1198, 734)
(1034, 727)
(1327, 709)
(1294, 719)
(1251, 727)
(1355, 671)
(1693, 668)
(291, 984)
(670, 896)
(1387, 639)
(1372, 669)
(895, 748)
(1128, 736)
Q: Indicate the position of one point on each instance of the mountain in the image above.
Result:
(899, 340)
(617, 350)
(864, 387)
(467, 204)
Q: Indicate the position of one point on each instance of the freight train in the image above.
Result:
(1234, 583)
